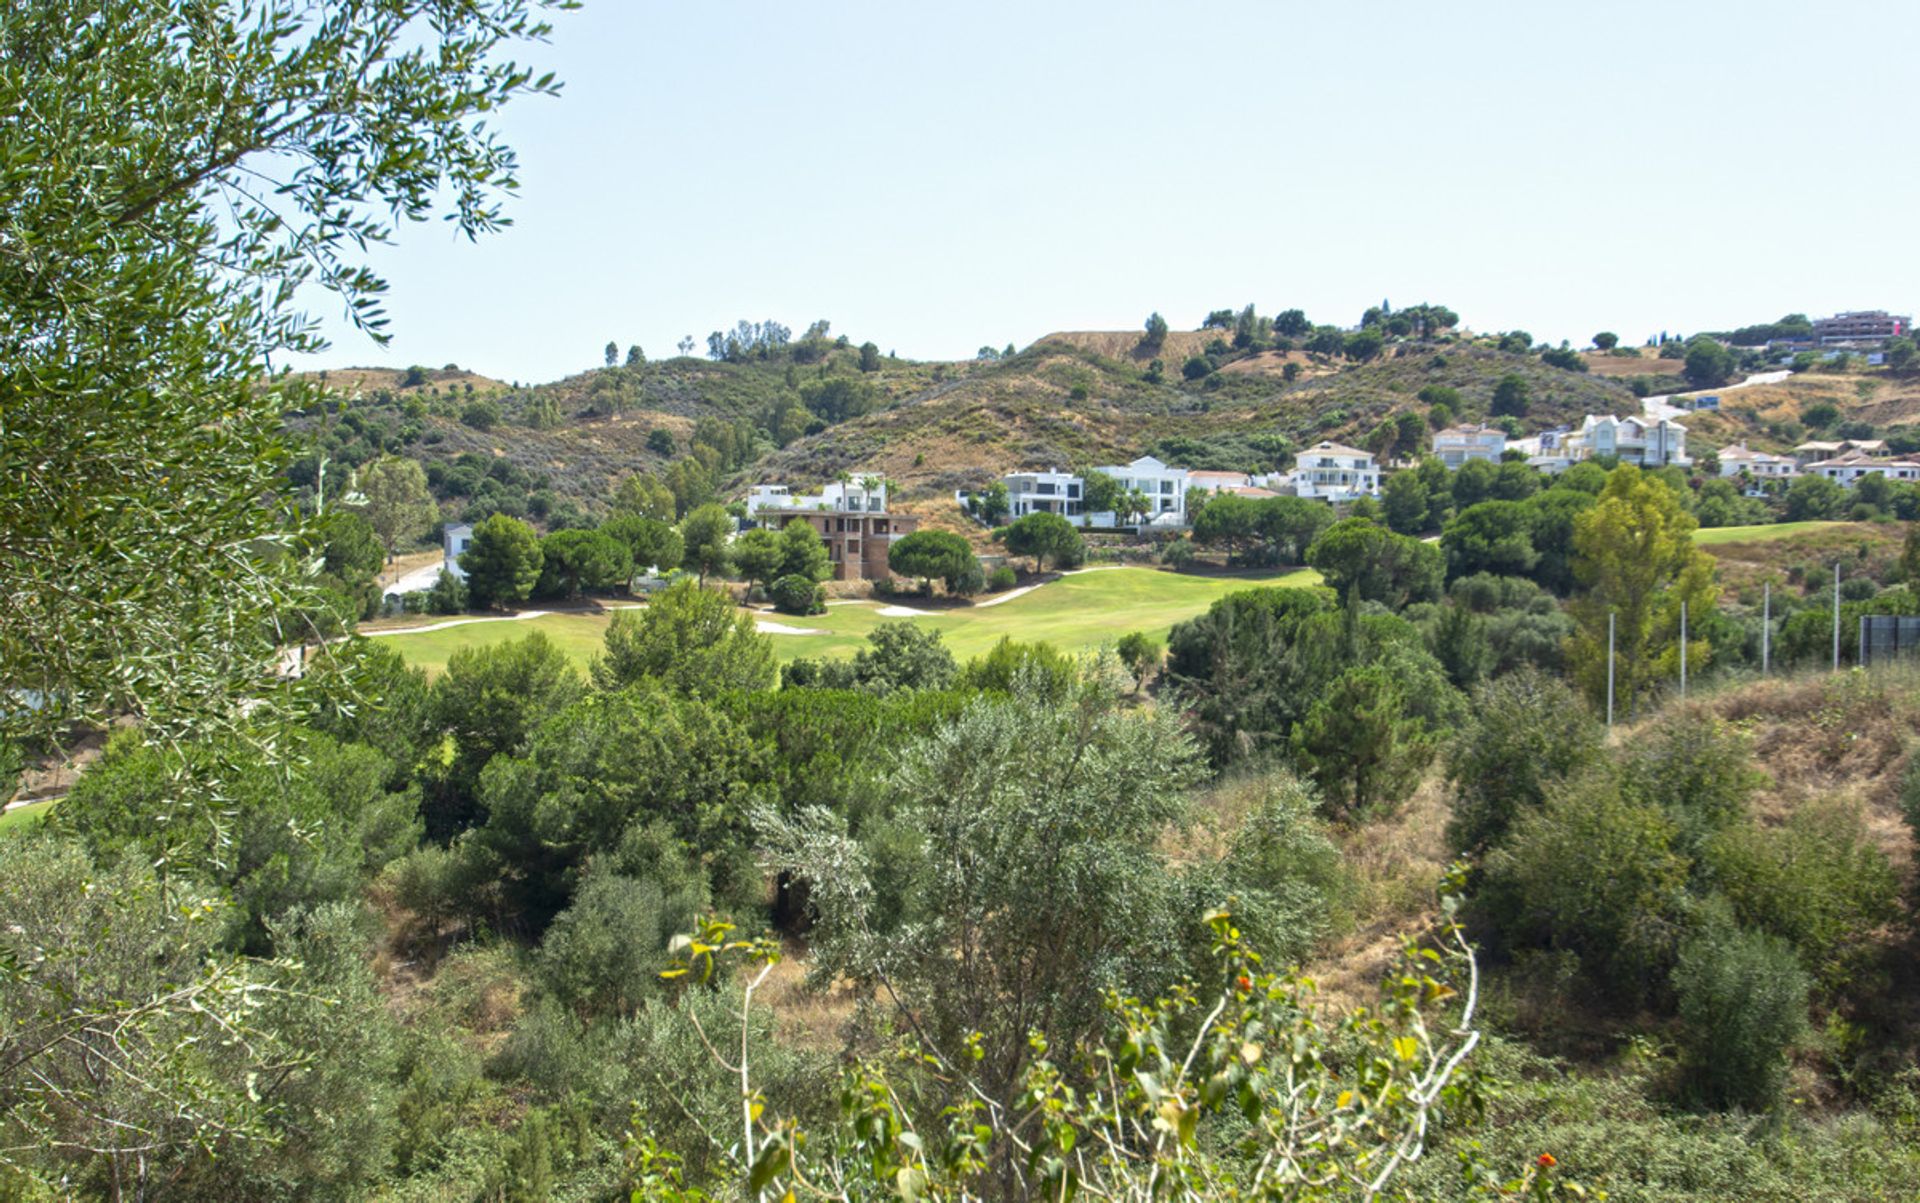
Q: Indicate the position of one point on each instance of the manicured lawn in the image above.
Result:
(1073, 613)
(22, 817)
(1753, 534)
(579, 635)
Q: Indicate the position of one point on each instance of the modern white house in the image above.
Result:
(1164, 487)
(1332, 472)
(1648, 444)
(1850, 468)
(1048, 492)
(1757, 466)
(853, 497)
(1456, 445)
(455, 537)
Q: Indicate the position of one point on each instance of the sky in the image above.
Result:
(939, 178)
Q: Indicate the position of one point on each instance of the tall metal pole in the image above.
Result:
(1683, 649)
(1609, 668)
(1766, 625)
(1836, 616)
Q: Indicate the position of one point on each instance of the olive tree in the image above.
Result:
(152, 283)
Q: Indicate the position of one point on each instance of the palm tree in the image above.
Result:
(873, 484)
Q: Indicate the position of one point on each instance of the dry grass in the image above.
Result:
(1820, 736)
(366, 381)
(1620, 365)
(817, 1020)
(1397, 863)
(1181, 345)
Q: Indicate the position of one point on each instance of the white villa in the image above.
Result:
(853, 497)
(1165, 488)
(1457, 444)
(1049, 492)
(1332, 472)
(1850, 468)
(1634, 440)
(1757, 466)
(455, 537)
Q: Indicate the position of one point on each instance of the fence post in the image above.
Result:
(1766, 625)
(1682, 649)
(1836, 616)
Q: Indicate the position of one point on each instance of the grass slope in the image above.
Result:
(20, 818)
(1712, 536)
(1074, 613)
(1800, 552)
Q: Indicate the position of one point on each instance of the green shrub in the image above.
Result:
(483, 414)
(1594, 874)
(1818, 882)
(796, 594)
(1052, 669)
(1696, 768)
(1293, 884)
(448, 594)
(1529, 733)
(1743, 1002)
(1002, 579)
(902, 655)
(602, 956)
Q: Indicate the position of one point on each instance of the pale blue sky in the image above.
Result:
(939, 178)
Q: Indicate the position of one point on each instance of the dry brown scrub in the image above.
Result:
(1397, 863)
(1619, 365)
(1819, 736)
(1179, 346)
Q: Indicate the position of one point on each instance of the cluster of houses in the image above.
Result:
(1326, 472)
(1335, 473)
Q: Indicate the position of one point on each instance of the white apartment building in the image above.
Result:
(1456, 445)
(1165, 488)
(1332, 472)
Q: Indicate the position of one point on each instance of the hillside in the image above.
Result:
(1073, 398)
(1064, 402)
(1768, 417)
(574, 438)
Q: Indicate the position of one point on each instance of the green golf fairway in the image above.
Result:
(1074, 613)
